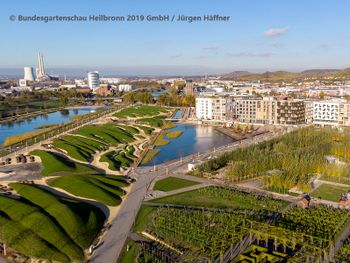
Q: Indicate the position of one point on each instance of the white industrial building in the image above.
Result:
(124, 87)
(28, 74)
(93, 78)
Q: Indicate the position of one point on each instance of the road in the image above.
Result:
(115, 238)
(111, 246)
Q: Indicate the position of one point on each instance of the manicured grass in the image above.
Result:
(56, 165)
(129, 252)
(140, 111)
(330, 192)
(219, 197)
(160, 141)
(108, 133)
(146, 130)
(156, 121)
(151, 153)
(81, 221)
(143, 217)
(118, 159)
(27, 242)
(105, 189)
(172, 183)
(174, 134)
(80, 148)
(31, 218)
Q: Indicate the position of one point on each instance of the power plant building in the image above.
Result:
(93, 78)
(28, 74)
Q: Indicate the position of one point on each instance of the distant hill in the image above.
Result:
(280, 76)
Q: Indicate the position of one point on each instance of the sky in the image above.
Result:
(261, 35)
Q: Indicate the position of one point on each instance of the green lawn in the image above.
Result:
(105, 189)
(140, 111)
(81, 221)
(80, 148)
(118, 159)
(108, 133)
(219, 197)
(29, 218)
(56, 165)
(46, 226)
(172, 183)
(146, 130)
(129, 252)
(143, 217)
(157, 121)
(330, 192)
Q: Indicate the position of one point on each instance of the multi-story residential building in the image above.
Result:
(204, 107)
(273, 111)
(256, 110)
(344, 114)
(189, 88)
(326, 112)
(309, 110)
(290, 111)
(214, 108)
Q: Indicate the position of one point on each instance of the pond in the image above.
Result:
(31, 124)
(194, 139)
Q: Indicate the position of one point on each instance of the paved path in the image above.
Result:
(160, 194)
(115, 238)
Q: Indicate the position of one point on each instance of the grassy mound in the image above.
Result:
(103, 189)
(118, 159)
(27, 242)
(146, 130)
(56, 165)
(78, 147)
(81, 221)
(172, 183)
(157, 121)
(108, 133)
(140, 111)
(32, 218)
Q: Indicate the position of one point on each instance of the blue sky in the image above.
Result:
(261, 35)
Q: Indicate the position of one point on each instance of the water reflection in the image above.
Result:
(28, 125)
(193, 140)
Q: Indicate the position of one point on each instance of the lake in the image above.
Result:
(194, 139)
(31, 124)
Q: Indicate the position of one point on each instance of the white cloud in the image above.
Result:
(272, 32)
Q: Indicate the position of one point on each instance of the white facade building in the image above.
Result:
(124, 87)
(204, 108)
(93, 78)
(326, 113)
(214, 108)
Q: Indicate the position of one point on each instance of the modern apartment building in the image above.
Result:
(214, 108)
(273, 111)
(326, 112)
(290, 111)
